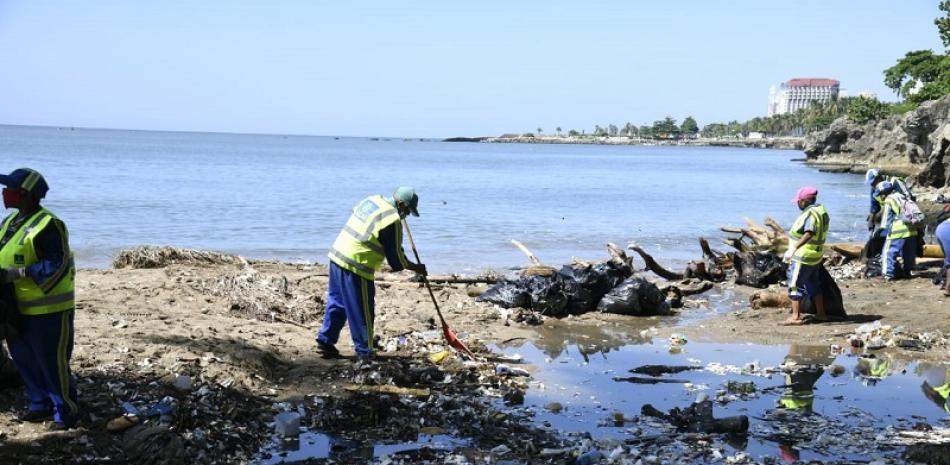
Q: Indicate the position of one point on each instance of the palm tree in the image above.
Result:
(540, 131)
(558, 130)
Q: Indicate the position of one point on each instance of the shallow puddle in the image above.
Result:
(575, 389)
(317, 446)
(803, 402)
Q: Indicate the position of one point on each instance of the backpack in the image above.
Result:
(911, 214)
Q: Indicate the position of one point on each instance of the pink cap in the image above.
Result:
(805, 193)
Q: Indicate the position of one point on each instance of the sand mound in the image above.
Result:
(148, 256)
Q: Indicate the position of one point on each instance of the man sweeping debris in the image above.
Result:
(809, 231)
(373, 232)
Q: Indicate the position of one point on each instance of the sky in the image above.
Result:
(433, 68)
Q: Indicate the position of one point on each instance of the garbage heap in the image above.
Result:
(607, 287)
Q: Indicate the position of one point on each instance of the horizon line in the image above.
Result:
(232, 133)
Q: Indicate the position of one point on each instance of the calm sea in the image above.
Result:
(286, 197)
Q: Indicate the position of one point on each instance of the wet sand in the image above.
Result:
(248, 331)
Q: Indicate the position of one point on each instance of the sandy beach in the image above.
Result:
(245, 334)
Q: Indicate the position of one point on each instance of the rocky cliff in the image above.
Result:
(914, 144)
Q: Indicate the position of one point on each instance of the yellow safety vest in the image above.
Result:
(811, 252)
(357, 247)
(55, 296)
(899, 229)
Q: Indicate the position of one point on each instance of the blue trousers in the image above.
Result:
(350, 298)
(803, 280)
(906, 248)
(41, 353)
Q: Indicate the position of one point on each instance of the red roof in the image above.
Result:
(812, 82)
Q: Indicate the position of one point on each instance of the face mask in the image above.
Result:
(11, 198)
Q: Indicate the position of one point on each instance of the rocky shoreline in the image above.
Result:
(913, 144)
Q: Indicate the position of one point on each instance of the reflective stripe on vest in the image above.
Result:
(812, 251)
(54, 296)
(893, 207)
(357, 247)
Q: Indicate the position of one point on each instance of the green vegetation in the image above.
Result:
(922, 74)
(863, 109)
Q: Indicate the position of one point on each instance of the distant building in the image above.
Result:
(798, 93)
(867, 94)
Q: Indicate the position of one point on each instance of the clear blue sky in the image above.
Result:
(433, 68)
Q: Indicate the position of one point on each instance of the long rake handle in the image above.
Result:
(425, 280)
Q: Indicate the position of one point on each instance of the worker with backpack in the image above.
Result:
(901, 219)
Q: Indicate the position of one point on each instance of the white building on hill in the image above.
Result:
(798, 93)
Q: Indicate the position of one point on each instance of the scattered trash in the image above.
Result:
(122, 423)
(439, 357)
(502, 369)
(698, 418)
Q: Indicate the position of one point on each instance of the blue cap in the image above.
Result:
(871, 175)
(29, 180)
(885, 187)
(407, 196)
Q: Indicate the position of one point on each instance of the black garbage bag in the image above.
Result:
(834, 301)
(635, 296)
(586, 285)
(579, 299)
(507, 294)
(874, 268)
(547, 295)
(758, 269)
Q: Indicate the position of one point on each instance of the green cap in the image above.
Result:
(407, 196)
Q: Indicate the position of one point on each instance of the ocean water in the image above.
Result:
(286, 197)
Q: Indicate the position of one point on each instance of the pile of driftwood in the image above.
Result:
(149, 256)
(755, 260)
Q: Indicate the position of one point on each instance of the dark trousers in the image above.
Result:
(350, 298)
(41, 353)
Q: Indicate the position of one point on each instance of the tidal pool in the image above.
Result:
(804, 402)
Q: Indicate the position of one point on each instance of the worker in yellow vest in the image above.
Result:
(372, 233)
(804, 254)
(901, 238)
(36, 262)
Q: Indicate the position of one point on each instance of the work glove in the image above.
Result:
(788, 255)
(9, 275)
